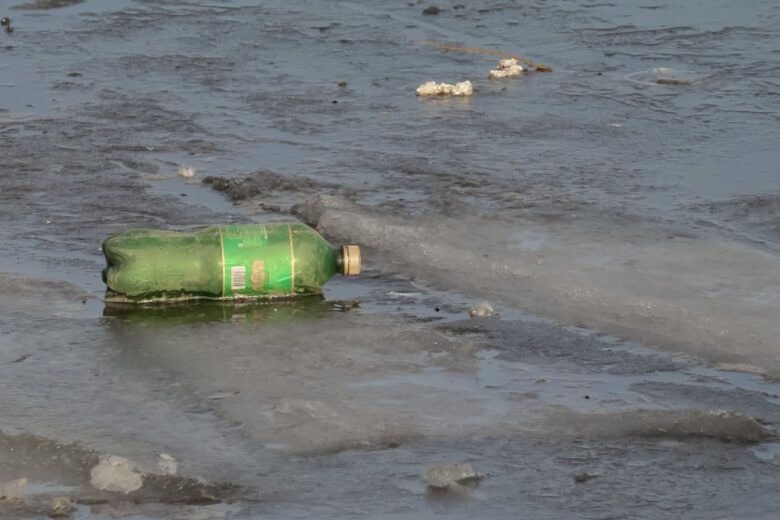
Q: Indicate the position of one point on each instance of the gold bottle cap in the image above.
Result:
(351, 259)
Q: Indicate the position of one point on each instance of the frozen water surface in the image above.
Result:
(619, 215)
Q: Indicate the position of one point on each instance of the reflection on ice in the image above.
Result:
(279, 310)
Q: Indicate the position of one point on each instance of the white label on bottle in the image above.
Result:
(237, 277)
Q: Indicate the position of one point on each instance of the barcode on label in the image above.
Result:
(238, 277)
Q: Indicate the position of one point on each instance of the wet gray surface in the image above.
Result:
(619, 214)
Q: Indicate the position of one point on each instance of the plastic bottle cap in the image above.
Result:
(351, 262)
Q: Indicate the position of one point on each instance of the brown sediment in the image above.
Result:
(541, 68)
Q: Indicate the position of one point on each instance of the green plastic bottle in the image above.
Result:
(222, 263)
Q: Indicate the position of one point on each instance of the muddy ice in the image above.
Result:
(643, 282)
(623, 233)
(61, 482)
(259, 422)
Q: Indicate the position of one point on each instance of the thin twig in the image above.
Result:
(486, 51)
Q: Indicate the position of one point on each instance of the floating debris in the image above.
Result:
(541, 68)
(431, 88)
(47, 4)
(506, 69)
(581, 478)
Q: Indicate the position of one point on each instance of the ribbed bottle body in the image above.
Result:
(221, 262)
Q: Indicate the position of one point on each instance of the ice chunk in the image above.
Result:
(444, 476)
(720, 425)
(463, 88)
(506, 73)
(186, 171)
(167, 464)
(115, 473)
(318, 427)
(15, 489)
(506, 69)
(666, 76)
(431, 88)
(481, 309)
(60, 506)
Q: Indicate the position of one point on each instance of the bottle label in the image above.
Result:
(258, 260)
(237, 277)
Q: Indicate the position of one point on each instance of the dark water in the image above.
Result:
(620, 214)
